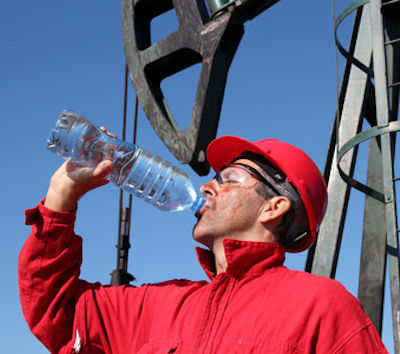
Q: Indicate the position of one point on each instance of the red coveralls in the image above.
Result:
(256, 306)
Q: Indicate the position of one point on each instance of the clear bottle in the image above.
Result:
(136, 171)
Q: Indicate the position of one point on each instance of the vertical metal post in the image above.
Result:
(120, 274)
(382, 116)
(373, 251)
(329, 238)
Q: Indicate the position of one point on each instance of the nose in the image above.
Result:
(208, 188)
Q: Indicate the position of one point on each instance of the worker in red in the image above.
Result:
(266, 199)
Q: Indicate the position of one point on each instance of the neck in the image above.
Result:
(219, 257)
(218, 248)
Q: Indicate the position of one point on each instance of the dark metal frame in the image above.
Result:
(211, 41)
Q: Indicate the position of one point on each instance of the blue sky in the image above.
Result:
(69, 54)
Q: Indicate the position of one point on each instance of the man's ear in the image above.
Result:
(275, 208)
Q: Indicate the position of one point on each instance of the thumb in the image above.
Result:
(100, 172)
(103, 169)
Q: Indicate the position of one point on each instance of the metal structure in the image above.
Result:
(200, 38)
(369, 92)
(120, 274)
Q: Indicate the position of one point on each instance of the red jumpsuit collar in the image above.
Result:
(244, 257)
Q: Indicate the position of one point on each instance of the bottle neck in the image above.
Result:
(198, 203)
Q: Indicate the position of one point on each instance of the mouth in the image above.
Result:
(199, 214)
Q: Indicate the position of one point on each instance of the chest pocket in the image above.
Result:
(158, 347)
(261, 347)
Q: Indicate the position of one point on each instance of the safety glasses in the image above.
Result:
(246, 176)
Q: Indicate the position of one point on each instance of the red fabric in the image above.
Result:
(256, 306)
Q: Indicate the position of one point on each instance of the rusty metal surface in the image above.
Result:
(213, 44)
(199, 39)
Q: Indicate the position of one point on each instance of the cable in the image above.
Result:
(120, 275)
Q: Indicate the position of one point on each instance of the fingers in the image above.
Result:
(95, 183)
(97, 177)
(103, 129)
(103, 169)
(73, 180)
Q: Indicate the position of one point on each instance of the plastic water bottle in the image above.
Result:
(136, 171)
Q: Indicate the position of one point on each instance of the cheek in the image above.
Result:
(230, 201)
(239, 201)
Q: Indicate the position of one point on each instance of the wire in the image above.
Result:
(134, 143)
(120, 275)
(121, 194)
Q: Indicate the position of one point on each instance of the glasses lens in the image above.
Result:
(235, 175)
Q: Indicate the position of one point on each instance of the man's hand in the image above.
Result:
(73, 180)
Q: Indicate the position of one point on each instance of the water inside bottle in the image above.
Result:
(76, 138)
(137, 171)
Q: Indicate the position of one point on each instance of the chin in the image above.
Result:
(201, 238)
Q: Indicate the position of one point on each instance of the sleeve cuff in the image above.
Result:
(42, 212)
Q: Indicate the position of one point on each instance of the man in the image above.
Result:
(268, 197)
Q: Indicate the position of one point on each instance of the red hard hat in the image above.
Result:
(298, 167)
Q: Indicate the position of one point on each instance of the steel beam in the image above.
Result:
(371, 283)
(329, 239)
(383, 118)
